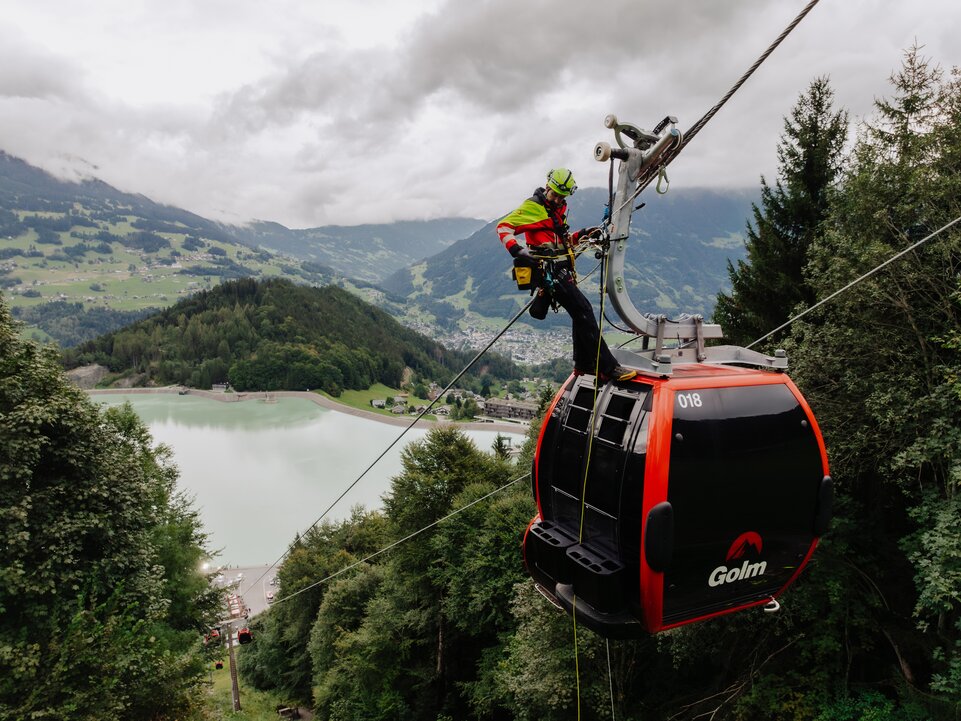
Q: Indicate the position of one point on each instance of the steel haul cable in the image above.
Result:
(401, 435)
(854, 282)
(405, 538)
(645, 178)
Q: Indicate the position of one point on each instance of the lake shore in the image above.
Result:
(233, 397)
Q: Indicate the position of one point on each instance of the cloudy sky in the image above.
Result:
(321, 112)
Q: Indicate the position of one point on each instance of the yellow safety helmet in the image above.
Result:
(561, 181)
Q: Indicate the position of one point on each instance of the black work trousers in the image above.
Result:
(557, 282)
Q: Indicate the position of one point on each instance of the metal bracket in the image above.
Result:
(647, 148)
(689, 332)
(662, 364)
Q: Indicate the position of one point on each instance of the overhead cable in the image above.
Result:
(402, 540)
(857, 280)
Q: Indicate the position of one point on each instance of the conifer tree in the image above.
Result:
(770, 283)
(880, 364)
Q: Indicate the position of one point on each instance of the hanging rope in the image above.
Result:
(577, 665)
(593, 425)
(610, 675)
(587, 465)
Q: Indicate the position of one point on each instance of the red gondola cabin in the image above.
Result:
(696, 494)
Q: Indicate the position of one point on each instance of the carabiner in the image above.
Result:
(662, 175)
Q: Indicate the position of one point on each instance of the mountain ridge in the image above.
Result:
(89, 243)
(676, 259)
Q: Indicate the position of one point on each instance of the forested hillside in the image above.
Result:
(275, 335)
(446, 626)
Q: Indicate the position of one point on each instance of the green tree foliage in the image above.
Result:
(878, 365)
(102, 603)
(502, 446)
(280, 659)
(767, 286)
(412, 633)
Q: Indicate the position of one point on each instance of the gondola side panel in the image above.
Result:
(745, 470)
(655, 492)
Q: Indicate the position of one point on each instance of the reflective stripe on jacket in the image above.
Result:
(541, 225)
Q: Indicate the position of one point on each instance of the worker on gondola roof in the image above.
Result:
(542, 219)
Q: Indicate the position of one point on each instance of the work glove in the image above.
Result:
(521, 252)
(587, 233)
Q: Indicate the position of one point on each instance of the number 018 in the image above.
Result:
(689, 400)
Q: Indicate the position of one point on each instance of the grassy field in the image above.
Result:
(361, 399)
(123, 279)
(254, 705)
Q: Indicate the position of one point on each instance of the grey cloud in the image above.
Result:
(463, 111)
(499, 56)
(29, 72)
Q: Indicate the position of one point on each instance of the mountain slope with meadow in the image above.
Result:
(677, 258)
(78, 258)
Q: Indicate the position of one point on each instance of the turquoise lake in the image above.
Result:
(260, 472)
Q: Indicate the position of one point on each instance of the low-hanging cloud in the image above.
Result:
(455, 108)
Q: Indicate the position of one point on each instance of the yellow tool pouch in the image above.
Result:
(523, 275)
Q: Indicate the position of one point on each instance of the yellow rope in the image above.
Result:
(590, 439)
(587, 465)
(577, 669)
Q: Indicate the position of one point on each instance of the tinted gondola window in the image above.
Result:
(744, 475)
(591, 469)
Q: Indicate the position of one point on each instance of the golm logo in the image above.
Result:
(723, 574)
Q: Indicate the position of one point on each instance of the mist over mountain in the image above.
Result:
(367, 252)
(77, 258)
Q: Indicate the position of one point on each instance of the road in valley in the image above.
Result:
(250, 583)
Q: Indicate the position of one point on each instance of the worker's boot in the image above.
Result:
(619, 374)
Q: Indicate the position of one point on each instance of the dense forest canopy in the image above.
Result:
(275, 335)
(102, 602)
